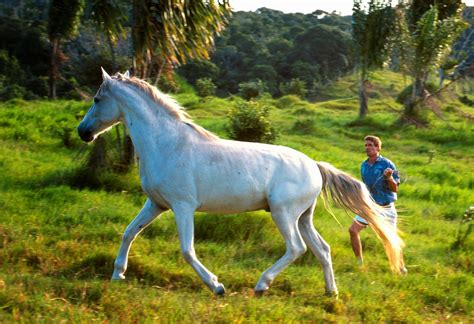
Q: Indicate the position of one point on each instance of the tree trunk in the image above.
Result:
(442, 76)
(363, 99)
(160, 71)
(112, 52)
(412, 103)
(97, 158)
(53, 67)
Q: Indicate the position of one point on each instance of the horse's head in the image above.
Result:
(104, 112)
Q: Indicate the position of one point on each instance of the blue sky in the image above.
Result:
(343, 7)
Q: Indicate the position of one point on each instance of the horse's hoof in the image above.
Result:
(333, 293)
(220, 290)
(259, 293)
(117, 277)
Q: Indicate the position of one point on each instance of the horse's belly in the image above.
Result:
(231, 200)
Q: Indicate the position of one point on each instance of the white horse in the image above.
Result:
(185, 168)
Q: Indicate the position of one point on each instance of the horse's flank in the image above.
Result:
(171, 107)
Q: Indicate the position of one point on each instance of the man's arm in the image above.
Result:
(388, 175)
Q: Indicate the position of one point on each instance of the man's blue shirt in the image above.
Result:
(372, 176)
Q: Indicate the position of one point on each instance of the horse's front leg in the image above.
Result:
(184, 216)
(148, 213)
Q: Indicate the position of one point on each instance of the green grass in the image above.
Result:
(58, 242)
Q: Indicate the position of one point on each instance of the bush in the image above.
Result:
(251, 89)
(205, 87)
(249, 122)
(295, 87)
(13, 91)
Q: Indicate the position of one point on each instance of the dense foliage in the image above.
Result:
(273, 47)
(266, 48)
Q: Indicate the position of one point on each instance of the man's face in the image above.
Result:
(371, 149)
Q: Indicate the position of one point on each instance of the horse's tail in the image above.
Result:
(351, 194)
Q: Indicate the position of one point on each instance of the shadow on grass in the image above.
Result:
(101, 265)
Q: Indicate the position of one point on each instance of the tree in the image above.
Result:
(199, 69)
(109, 16)
(167, 33)
(371, 32)
(63, 20)
(295, 87)
(424, 43)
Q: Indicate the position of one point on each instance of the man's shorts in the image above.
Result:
(389, 214)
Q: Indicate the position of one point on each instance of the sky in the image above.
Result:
(343, 7)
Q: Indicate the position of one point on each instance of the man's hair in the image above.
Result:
(374, 139)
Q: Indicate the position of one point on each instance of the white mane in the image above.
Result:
(171, 107)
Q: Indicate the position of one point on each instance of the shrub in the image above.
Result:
(249, 122)
(251, 89)
(205, 87)
(13, 91)
(464, 230)
(295, 87)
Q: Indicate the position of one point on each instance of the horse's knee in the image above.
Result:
(295, 251)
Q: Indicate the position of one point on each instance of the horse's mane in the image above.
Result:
(171, 107)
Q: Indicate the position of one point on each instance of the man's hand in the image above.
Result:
(392, 184)
(387, 173)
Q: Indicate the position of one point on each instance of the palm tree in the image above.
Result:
(63, 20)
(426, 42)
(110, 16)
(371, 32)
(167, 33)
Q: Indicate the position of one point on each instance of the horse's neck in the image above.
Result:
(152, 130)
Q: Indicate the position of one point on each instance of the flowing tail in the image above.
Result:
(351, 194)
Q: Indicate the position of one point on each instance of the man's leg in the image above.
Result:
(354, 230)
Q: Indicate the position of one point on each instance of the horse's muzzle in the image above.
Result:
(85, 134)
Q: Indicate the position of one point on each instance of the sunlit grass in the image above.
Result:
(58, 242)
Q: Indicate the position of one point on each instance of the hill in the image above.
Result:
(58, 241)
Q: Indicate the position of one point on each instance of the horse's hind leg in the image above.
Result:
(319, 247)
(286, 221)
(148, 213)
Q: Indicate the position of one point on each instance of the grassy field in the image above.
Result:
(58, 240)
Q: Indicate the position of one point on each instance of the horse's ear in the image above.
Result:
(105, 75)
(127, 74)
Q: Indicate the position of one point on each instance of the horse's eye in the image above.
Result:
(96, 100)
